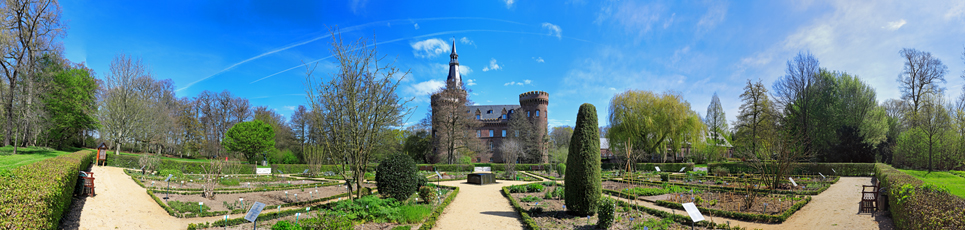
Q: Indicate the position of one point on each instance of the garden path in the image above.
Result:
(480, 207)
(835, 208)
(122, 204)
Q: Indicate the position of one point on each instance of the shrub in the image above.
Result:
(664, 177)
(583, 186)
(428, 194)
(558, 193)
(396, 177)
(561, 169)
(721, 171)
(530, 199)
(404, 227)
(327, 221)
(173, 172)
(606, 214)
(517, 189)
(915, 205)
(534, 188)
(548, 195)
(285, 225)
(411, 214)
(365, 191)
(35, 196)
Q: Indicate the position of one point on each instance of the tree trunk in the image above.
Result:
(9, 114)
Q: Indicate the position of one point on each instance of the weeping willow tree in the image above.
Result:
(653, 123)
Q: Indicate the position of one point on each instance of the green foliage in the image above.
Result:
(327, 221)
(285, 225)
(828, 169)
(517, 189)
(527, 220)
(175, 174)
(428, 194)
(664, 176)
(396, 177)
(606, 214)
(417, 145)
(941, 181)
(534, 188)
(530, 199)
(374, 209)
(916, 206)
(36, 196)
(404, 227)
(431, 221)
(187, 206)
(71, 108)
(558, 193)
(561, 169)
(251, 138)
(583, 186)
(229, 181)
(652, 123)
(654, 224)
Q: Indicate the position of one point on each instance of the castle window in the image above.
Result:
(504, 133)
(537, 113)
(490, 145)
(489, 112)
(527, 114)
(478, 133)
(491, 133)
(504, 116)
(477, 117)
(517, 133)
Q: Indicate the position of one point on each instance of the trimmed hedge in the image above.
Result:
(431, 221)
(839, 169)
(132, 162)
(917, 205)
(734, 189)
(37, 195)
(397, 177)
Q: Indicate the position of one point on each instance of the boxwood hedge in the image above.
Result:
(36, 196)
(916, 205)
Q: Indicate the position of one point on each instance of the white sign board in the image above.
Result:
(682, 169)
(658, 168)
(169, 178)
(482, 169)
(438, 175)
(792, 181)
(263, 171)
(254, 211)
(693, 212)
(822, 175)
(305, 172)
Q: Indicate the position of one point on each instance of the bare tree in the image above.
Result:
(511, 150)
(797, 94)
(453, 129)
(30, 27)
(920, 77)
(123, 109)
(357, 104)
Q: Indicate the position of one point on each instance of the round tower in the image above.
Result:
(534, 106)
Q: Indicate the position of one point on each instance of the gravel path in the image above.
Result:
(480, 207)
(835, 208)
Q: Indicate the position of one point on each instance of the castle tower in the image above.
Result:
(454, 81)
(534, 106)
(441, 102)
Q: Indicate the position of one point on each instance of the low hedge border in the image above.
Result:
(835, 169)
(38, 195)
(528, 221)
(730, 189)
(431, 221)
(743, 216)
(915, 204)
(175, 191)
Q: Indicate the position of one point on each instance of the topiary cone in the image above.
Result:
(583, 187)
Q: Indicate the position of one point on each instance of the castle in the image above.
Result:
(494, 118)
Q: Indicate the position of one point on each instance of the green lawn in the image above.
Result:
(954, 183)
(24, 156)
(167, 158)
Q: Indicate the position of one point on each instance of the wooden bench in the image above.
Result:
(536, 168)
(869, 199)
(88, 184)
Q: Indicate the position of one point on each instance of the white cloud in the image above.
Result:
(429, 48)
(470, 82)
(636, 18)
(554, 30)
(289, 107)
(492, 66)
(539, 59)
(715, 15)
(465, 40)
(613, 89)
(524, 82)
(422, 89)
(509, 3)
(443, 69)
(669, 22)
(416, 26)
(895, 25)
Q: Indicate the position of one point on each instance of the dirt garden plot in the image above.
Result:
(223, 202)
(550, 214)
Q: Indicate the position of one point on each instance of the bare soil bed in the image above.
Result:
(613, 185)
(267, 197)
(160, 184)
(553, 216)
(770, 204)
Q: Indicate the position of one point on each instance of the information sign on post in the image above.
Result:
(169, 178)
(657, 167)
(822, 175)
(305, 172)
(693, 212)
(254, 211)
(682, 169)
(792, 181)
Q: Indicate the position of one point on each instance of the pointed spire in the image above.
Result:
(454, 81)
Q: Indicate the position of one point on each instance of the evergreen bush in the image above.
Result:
(607, 209)
(396, 176)
(583, 186)
(561, 169)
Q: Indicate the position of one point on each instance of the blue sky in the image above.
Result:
(577, 51)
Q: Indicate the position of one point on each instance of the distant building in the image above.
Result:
(495, 118)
